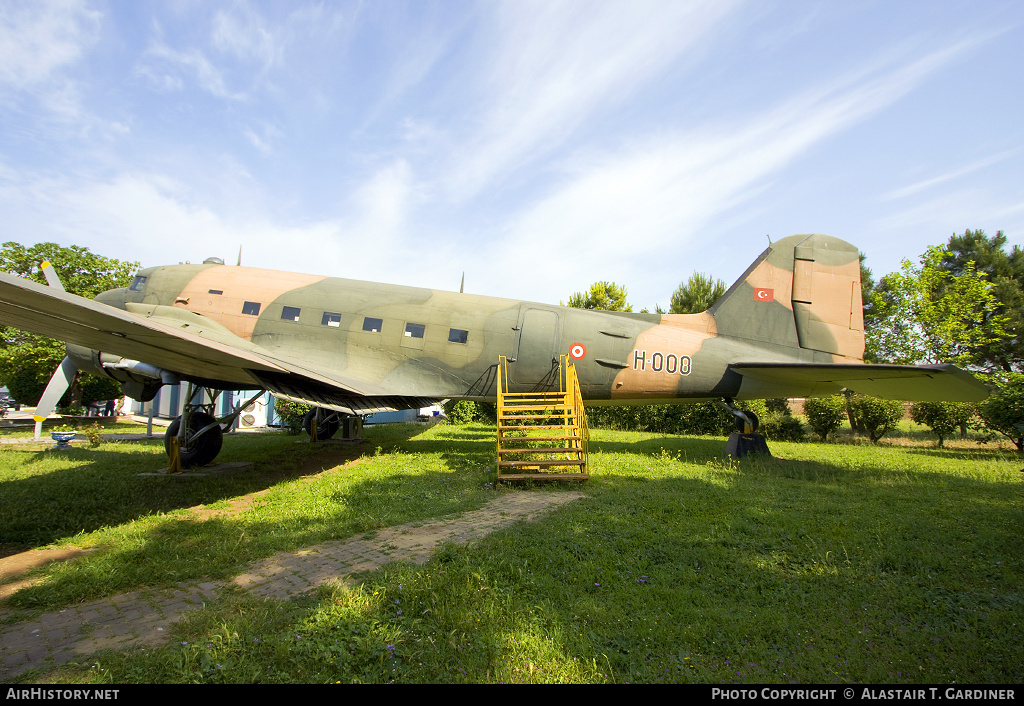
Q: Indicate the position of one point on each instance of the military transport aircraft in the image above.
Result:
(791, 326)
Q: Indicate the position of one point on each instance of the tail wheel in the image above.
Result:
(741, 426)
(196, 450)
(327, 427)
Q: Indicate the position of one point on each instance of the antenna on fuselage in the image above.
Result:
(239, 263)
(462, 283)
(769, 239)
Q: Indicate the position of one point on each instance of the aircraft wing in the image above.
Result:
(188, 344)
(921, 383)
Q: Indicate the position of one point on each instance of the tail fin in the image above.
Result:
(804, 291)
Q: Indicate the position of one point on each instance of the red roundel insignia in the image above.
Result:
(578, 351)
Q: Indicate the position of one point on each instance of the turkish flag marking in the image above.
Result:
(764, 295)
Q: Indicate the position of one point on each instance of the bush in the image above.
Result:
(782, 426)
(291, 414)
(1003, 411)
(943, 418)
(696, 418)
(824, 414)
(873, 416)
(460, 411)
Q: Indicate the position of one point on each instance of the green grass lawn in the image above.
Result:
(896, 563)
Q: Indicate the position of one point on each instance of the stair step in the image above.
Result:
(553, 450)
(530, 427)
(539, 464)
(509, 439)
(543, 476)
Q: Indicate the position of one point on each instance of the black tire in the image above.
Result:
(327, 428)
(753, 422)
(196, 451)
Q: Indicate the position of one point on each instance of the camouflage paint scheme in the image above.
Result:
(791, 326)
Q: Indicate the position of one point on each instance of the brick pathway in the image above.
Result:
(144, 617)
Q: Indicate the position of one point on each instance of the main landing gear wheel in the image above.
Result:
(196, 450)
(327, 427)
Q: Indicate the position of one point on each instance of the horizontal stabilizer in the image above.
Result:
(920, 383)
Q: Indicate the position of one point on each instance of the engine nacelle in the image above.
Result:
(140, 381)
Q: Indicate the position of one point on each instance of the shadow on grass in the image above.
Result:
(768, 570)
(93, 488)
(680, 578)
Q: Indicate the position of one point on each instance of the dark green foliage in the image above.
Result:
(696, 294)
(701, 418)
(606, 296)
(782, 426)
(27, 382)
(81, 272)
(943, 418)
(460, 411)
(1005, 271)
(873, 416)
(95, 388)
(824, 414)
(291, 414)
(1003, 411)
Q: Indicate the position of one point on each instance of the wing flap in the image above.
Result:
(921, 383)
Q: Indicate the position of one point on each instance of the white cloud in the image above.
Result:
(38, 39)
(658, 194)
(244, 34)
(551, 66)
(164, 67)
(952, 175)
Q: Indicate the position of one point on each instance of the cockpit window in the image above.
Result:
(138, 284)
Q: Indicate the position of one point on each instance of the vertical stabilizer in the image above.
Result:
(802, 292)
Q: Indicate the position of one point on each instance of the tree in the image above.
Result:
(26, 360)
(873, 416)
(696, 294)
(927, 314)
(1005, 271)
(824, 414)
(606, 296)
(1003, 411)
(943, 418)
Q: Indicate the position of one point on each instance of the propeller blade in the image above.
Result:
(51, 275)
(58, 384)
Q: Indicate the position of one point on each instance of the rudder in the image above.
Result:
(802, 292)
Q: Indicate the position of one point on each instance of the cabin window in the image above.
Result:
(251, 308)
(373, 325)
(291, 313)
(138, 283)
(457, 335)
(216, 291)
(331, 319)
(415, 330)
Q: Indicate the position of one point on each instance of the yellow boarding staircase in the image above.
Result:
(542, 435)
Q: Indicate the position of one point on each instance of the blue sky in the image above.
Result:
(537, 146)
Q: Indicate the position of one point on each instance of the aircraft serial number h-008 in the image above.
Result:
(791, 326)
